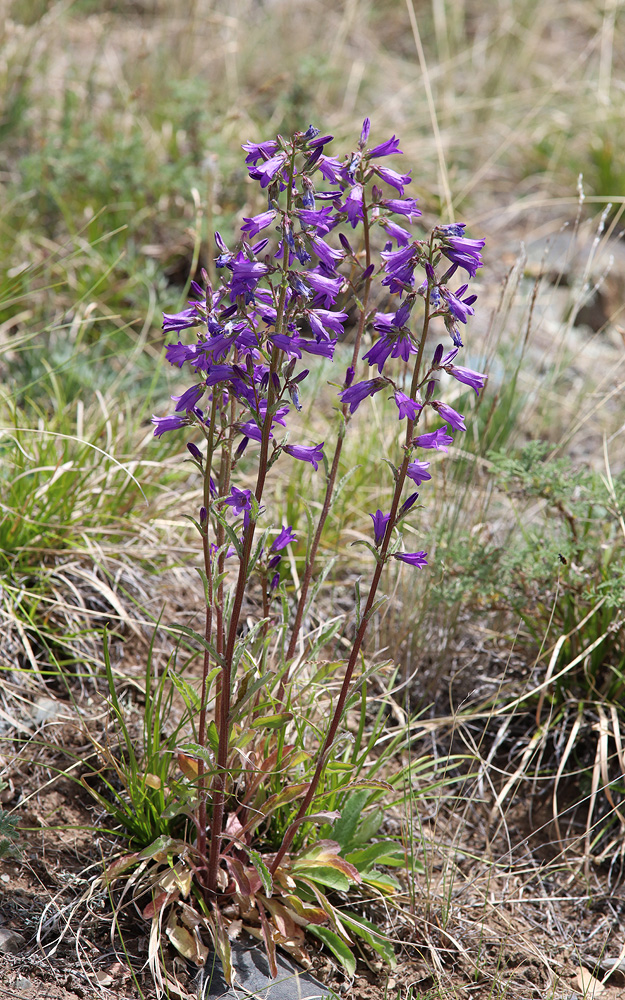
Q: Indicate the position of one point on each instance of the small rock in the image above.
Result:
(22, 984)
(11, 943)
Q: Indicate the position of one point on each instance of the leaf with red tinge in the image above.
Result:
(118, 867)
(270, 945)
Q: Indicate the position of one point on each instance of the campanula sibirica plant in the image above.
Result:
(303, 267)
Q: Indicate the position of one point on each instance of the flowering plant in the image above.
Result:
(276, 310)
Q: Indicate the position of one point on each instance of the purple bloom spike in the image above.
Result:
(380, 522)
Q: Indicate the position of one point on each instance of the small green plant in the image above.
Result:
(9, 834)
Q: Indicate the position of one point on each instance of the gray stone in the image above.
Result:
(253, 979)
(11, 943)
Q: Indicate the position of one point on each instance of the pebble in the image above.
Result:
(11, 943)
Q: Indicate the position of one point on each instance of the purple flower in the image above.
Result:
(245, 276)
(260, 150)
(403, 206)
(438, 439)
(322, 320)
(364, 135)
(178, 353)
(385, 148)
(286, 536)
(171, 423)
(469, 377)
(458, 307)
(407, 407)
(356, 393)
(327, 254)
(190, 397)
(331, 168)
(313, 454)
(327, 288)
(240, 501)
(253, 428)
(353, 205)
(408, 503)
(268, 170)
(451, 416)
(182, 320)
(257, 223)
(393, 178)
(380, 522)
(412, 558)
(396, 232)
(322, 219)
(459, 250)
(400, 266)
(418, 472)
(391, 345)
(321, 348)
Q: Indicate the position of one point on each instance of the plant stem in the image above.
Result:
(331, 480)
(223, 719)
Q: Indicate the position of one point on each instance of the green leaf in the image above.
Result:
(371, 934)
(162, 845)
(263, 871)
(381, 881)
(344, 829)
(368, 828)
(277, 721)
(336, 946)
(212, 735)
(195, 750)
(192, 634)
(323, 874)
(188, 694)
(387, 852)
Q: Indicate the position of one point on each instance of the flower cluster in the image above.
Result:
(277, 304)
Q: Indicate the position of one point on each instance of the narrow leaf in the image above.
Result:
(263, 871)
(336, 946)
